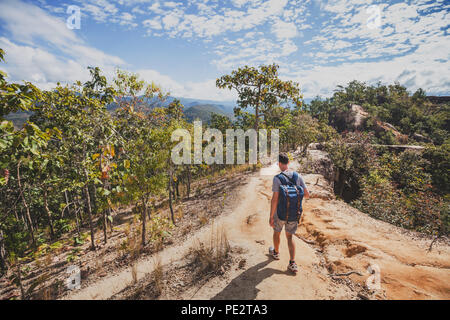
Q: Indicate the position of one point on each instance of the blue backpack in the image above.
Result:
(290, 198)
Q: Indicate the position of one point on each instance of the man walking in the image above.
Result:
(279, 219)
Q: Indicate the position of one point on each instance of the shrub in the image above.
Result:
(353, 157)
(439, 166)
(423, 211)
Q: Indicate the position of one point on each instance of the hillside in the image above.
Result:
(336, 244)
(203, 112)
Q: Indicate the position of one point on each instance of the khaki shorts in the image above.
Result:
(291, 226)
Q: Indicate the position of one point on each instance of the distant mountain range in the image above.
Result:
(204, 112)
(193, 109)
(201, 109)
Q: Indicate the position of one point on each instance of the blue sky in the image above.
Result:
(184, 45)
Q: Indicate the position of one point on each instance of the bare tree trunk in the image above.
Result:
(76, 200)
(78, 222)
(144, 217)
(170, 199)
(257, 110)
(177, 189)
(89, 210)
(49, 214)
(188, 182)
(93, 196)
(3, 265)
(75, 208)
(105, 232)
(27, 209)
(110, 221)
(69, 210)
(105, 217)
(15, 213)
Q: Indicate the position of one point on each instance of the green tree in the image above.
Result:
(147, 139)
(261, 89)
(20, 153)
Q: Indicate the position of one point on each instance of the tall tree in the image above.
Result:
(147, 138)
(261, 89)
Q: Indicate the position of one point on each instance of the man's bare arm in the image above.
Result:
(273, 203)
(306, 195)
(273, 207)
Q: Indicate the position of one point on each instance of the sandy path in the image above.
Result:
(341, 239)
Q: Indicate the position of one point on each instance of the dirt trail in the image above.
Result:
(339, 239)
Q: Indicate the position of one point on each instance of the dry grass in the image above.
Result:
(132, 244)
(134, 272)
(99, 266)
(179, 214)
(203, 218)
(150, 287)
(210, 257)
(158, 276)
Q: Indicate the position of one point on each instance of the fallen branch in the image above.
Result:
(345, 274)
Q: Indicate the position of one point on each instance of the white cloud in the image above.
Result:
(156, 8)
(153, 23)
(410, 46)
(260, 50)
(171, 20)
(127, 16)
(125, 19)
(199, 90)
(41, 47)
(402, 29)
(407, 47)
(423, 69)
(284, 30)
(100, 10)
(39, 66)
(209, 21)
(137, 10)
(171, 4)
(240, 3)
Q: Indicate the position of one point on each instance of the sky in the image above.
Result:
(185, 45)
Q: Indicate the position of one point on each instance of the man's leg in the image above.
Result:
(291, 246)
(276, 241)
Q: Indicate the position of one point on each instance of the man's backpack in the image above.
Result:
(290, 198)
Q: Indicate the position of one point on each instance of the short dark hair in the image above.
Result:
(283, 158)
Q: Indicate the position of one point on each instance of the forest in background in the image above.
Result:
(74, 162)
